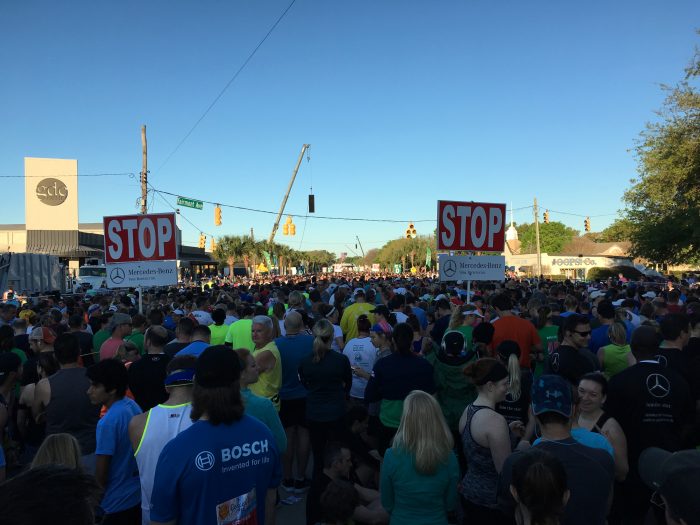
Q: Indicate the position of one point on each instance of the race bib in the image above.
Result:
(241, 510)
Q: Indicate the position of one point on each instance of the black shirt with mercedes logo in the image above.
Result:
(652, 403)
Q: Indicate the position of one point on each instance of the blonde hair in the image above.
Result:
(296, 298)
(423, 432)
(59, 449)
(323, 332)
(456, 318)
(617, 332)
(514, 376)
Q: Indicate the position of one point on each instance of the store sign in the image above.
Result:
(51, 192)
(470, 226)
(573, 261)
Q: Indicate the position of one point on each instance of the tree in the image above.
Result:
(663, 205)
(553, 237)
(229, 249)
(619, 230)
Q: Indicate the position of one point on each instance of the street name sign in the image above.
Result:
(470, 226)
(190, 203)
(471, 267)
(140, 250)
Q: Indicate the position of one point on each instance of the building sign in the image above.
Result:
(472, 267)
(573, 261)
(141, 250)
(470, 226)
(51, 192)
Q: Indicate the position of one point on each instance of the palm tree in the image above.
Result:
(229, 249)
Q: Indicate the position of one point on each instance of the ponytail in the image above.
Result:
(323, 332)
(514, 376)
(455, 319)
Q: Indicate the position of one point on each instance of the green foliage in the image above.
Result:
(406, 252)
(601, 274)
(553, 237)
(663, 205)
(620, 230)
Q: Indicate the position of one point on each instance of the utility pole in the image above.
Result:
(144, 172)
(144, 193)
(361, 249)
(286, 195)
(252, 237)
(537, 239)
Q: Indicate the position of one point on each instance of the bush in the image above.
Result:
(601, 274)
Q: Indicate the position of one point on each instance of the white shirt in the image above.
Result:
(361, 353)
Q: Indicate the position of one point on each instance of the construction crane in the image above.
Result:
(286, 195)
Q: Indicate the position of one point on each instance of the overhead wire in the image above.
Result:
(228, 84)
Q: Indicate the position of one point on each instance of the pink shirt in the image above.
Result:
(109, 348)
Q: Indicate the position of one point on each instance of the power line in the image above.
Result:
(228, 84)
(125, 174)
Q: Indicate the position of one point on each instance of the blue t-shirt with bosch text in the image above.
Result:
(123, 489)
(216, 474)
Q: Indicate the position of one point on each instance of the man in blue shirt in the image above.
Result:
(225, 468)
(116, 469)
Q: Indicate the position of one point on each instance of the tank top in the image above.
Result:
(480, 484)
(598, 427)
(70, 409)
(163, 423)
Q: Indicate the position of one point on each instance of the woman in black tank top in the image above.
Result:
(592, 390)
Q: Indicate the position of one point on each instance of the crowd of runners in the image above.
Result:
(367, 399)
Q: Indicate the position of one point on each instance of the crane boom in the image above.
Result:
(286, 195)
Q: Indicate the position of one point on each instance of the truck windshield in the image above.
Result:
(92, 272)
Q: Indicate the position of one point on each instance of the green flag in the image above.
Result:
(267, 258)
(428, 256)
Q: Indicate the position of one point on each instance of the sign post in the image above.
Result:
(140, 250)
(471, 227)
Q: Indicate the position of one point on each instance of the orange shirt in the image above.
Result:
(516, 329)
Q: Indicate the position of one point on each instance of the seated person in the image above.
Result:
(337, 465)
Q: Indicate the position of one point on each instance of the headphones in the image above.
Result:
(465, 352)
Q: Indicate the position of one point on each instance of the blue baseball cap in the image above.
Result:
(552, 393)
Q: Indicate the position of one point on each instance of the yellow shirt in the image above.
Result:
(348, 324)
(270, 382)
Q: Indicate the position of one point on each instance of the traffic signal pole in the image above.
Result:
(537, 240)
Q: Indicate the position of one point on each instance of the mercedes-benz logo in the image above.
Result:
(117, 275)
(662, 360)
(450, 268)
(658, 385)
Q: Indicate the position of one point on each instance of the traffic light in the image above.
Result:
(587, 224)
(411, 231)
(546, 217)
(213, 245)
(217, 215)
(202, 240)
(288, 228)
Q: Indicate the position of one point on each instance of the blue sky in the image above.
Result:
(403, 102)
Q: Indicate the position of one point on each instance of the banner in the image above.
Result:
(428, 257)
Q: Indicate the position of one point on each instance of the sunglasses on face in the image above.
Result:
(584, 333)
